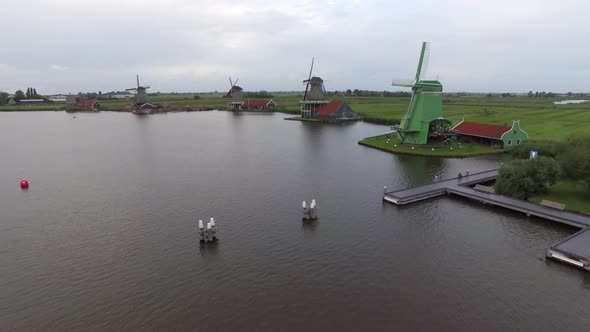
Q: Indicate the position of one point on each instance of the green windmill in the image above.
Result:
(424, 119)
(141, 94)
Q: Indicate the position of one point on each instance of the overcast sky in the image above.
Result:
(62, 46)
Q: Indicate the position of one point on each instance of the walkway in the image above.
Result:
(574, 249)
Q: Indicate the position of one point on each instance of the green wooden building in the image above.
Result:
(502, 137)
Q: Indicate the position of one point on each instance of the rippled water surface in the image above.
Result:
(105, 237)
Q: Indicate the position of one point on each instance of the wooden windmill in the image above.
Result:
(235, 93)
(314, 96)
(140, 93)
(424, 118)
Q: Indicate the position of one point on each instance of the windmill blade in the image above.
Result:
(308, 79)
(137, 81)
(423, 61)
(402, 82)
(231, 84)
(131, 89)
(236, 82)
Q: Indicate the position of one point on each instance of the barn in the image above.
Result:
(502, 137)
(258, 104)
(88, 105)
(335, 111)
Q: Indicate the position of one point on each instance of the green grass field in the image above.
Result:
(540, 118)
(453, 149)
(574, 195)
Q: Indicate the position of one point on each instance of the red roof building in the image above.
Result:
(258, 104)
(336, 110)
(484, 130)
(89, 104)
(505, 137)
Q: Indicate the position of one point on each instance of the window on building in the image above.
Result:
(509, 142)
(517, 141)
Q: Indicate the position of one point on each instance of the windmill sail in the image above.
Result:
(308, 80)
(423, 61)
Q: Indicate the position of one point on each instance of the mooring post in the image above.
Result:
(213, 229)
(384, 190)
(467, 173)
(305, 211)
(201, 231)
(313, 212)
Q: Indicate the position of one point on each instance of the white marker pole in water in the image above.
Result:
(305, 211)
(213, 229)
(201, 231)
(312, 210)
(208, 232)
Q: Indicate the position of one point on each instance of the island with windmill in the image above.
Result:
(425, 131)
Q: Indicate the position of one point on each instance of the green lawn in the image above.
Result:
(574, 195)
(454, 149)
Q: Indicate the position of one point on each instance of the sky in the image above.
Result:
(67, 46)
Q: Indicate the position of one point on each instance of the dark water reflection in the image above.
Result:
(105, 237)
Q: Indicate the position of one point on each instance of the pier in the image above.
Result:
(574, 250)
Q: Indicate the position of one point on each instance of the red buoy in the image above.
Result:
(24, 184)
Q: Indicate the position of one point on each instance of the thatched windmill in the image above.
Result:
(235, 93)
(314, 96)
(140, 93)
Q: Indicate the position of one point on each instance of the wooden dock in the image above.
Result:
(574, 250)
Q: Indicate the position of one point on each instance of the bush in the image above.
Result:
(574, 159)
(197, 97)
(525, 178)
(545, 149)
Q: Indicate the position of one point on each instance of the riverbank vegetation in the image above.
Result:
(560, 174)
(544, 121)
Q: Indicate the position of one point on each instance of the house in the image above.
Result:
(258, 104)
(335, 111)
(58, 98)
(88, 105)
(32, 101)
(503, 137)
(148, 106)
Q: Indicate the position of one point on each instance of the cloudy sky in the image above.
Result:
(62, 46)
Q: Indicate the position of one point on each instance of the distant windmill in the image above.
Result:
(140, 93)
(235, 93)
(314, 95)
(424, 114)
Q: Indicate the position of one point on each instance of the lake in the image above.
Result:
(105, 237)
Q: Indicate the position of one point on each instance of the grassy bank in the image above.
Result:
(454, 149)
(540, 118)
(573, 195)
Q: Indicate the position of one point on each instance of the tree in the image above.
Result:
(575, 159)
(524, 178)
(196, 97)
(3, 98)
(34, 94)
(530, 94)
(570, 94)
(18, 95)
(348, 92)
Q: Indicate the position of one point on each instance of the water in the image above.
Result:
(572, 101)
(105, 237)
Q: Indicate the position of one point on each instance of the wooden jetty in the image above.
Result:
(574, 250)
